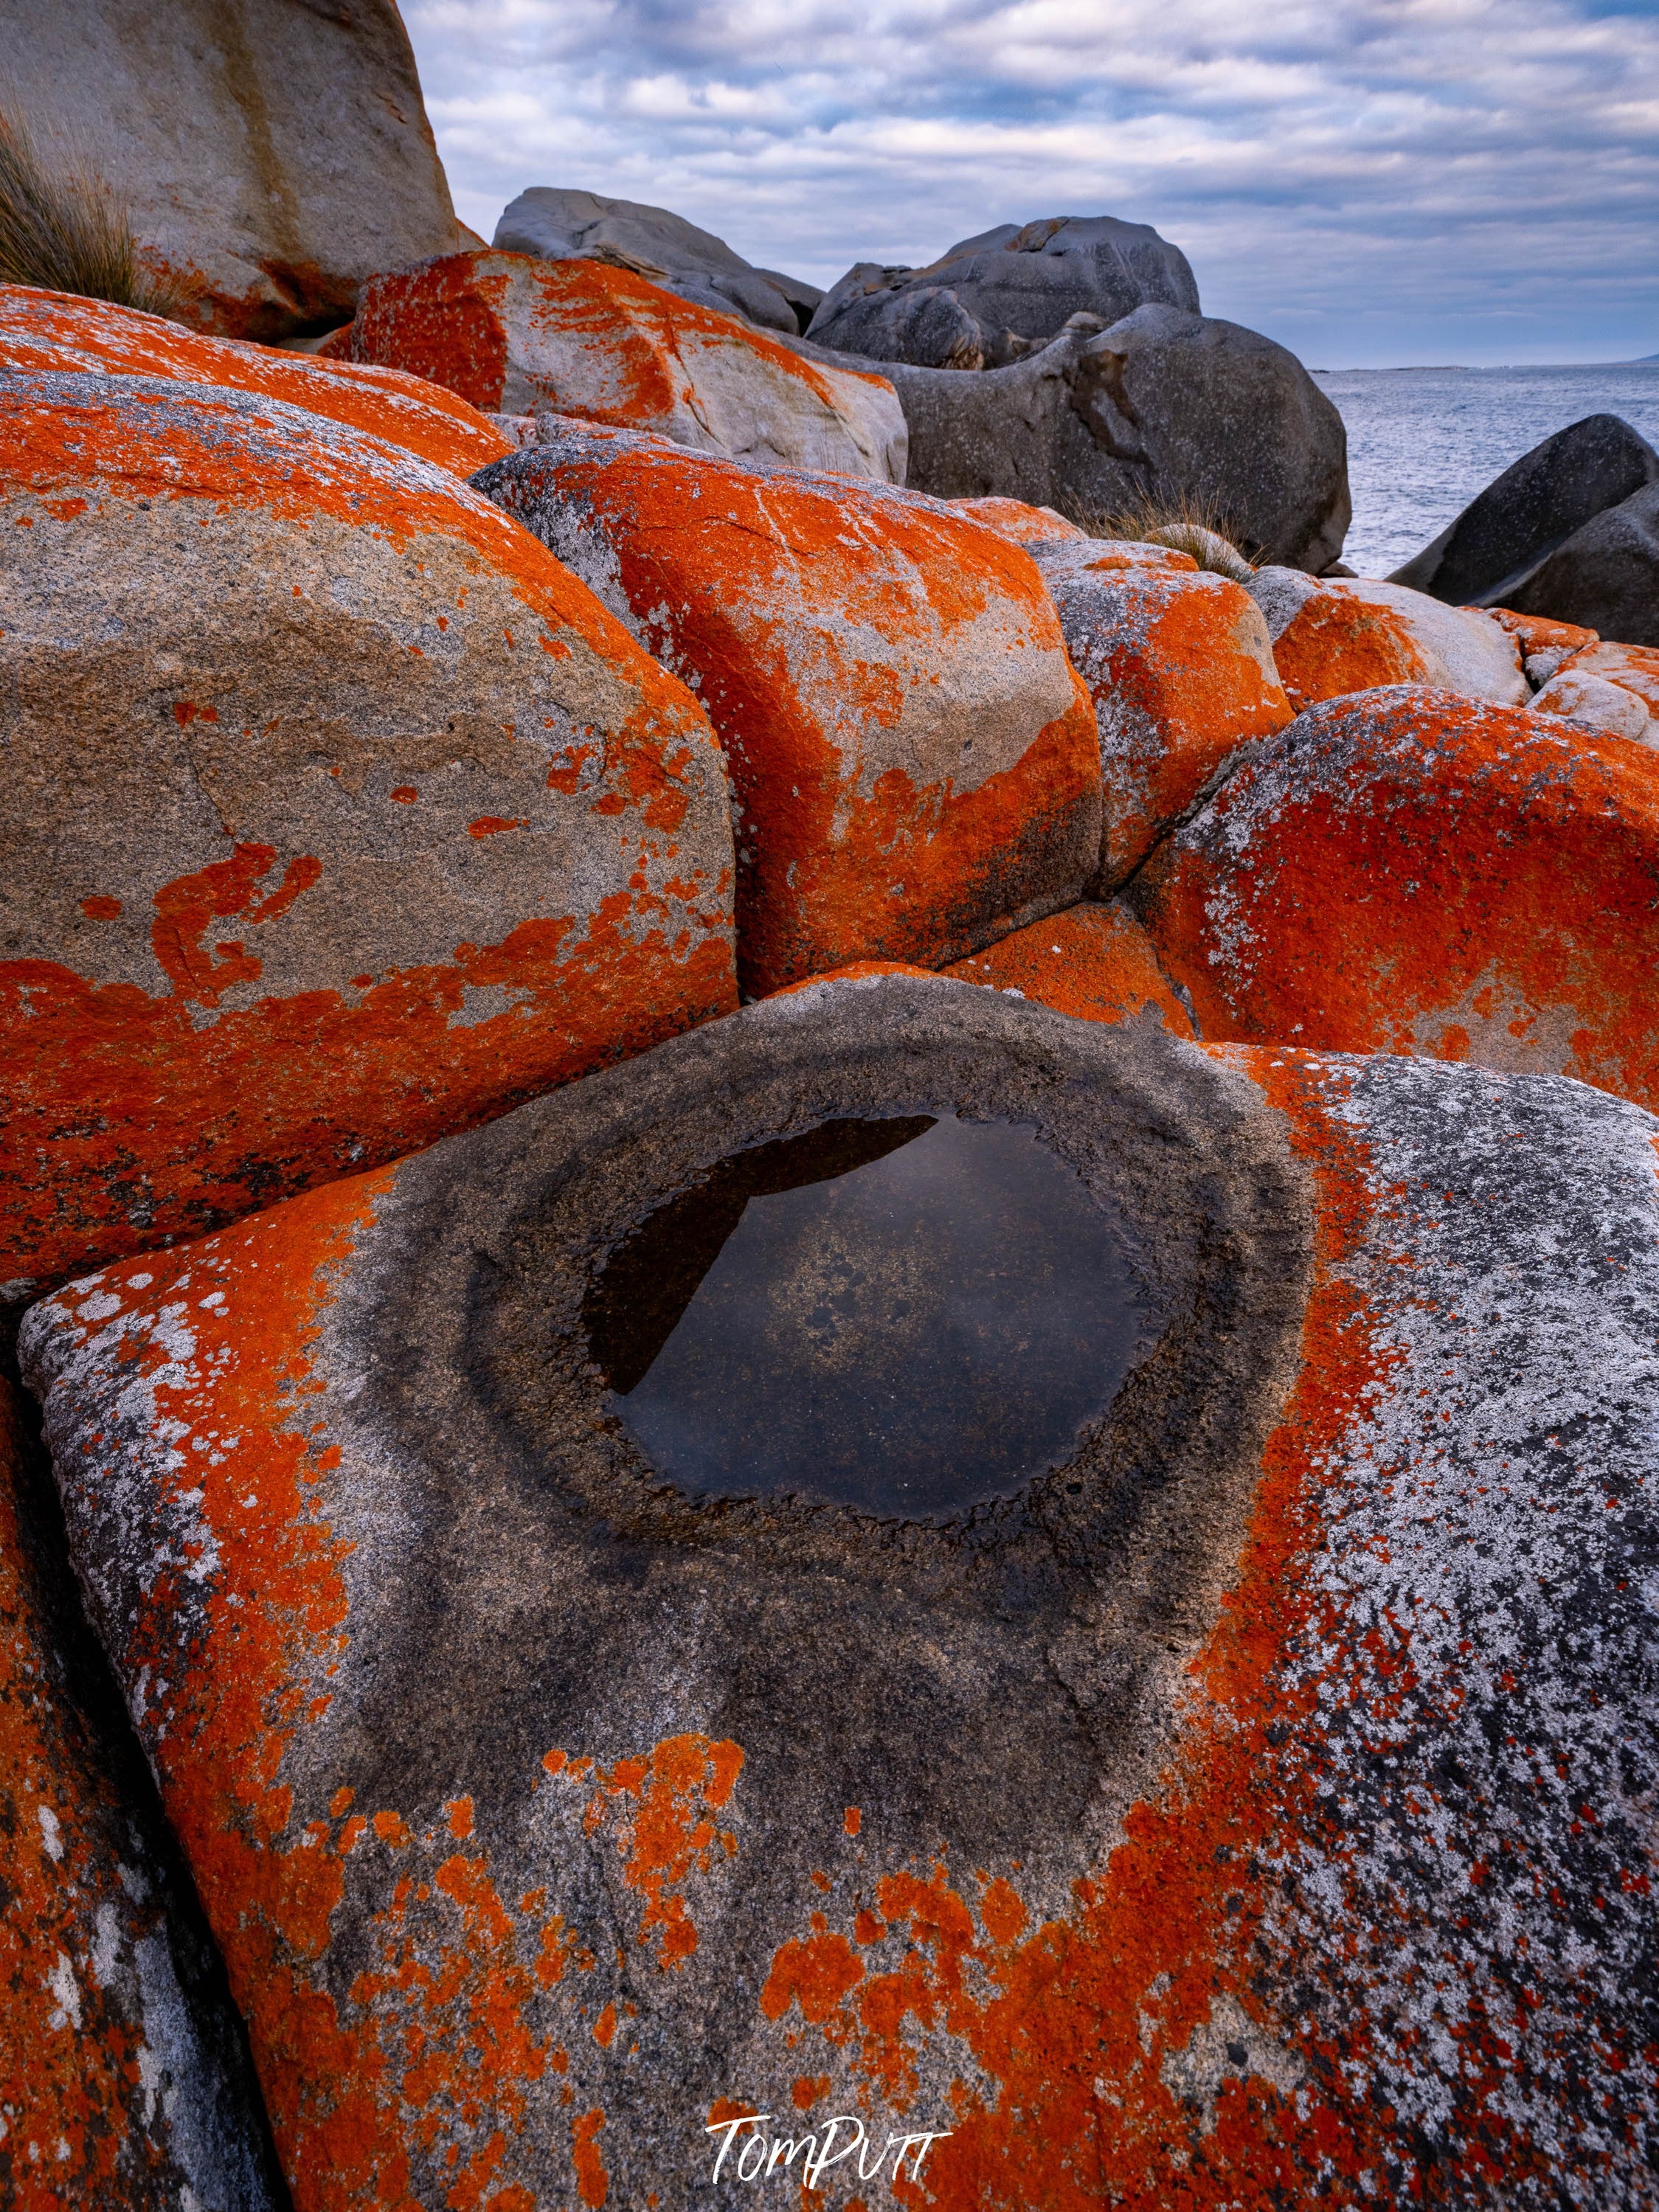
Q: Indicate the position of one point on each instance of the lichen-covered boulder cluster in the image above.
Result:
(1122, 1671)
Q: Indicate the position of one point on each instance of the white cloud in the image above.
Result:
(1387, 179)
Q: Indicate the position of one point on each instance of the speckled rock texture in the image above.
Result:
(1094, 962)
(1408, 872)
(1164, 405)
(273, 156)
(1634, 668)
(520, 336)
(1251, 1811)
(990, 299)
(1181, 670)
(337, 815)
(1022, 524)
(1509, 531)
(124, 2074)
(57, 330)
(913, 764)
(1590, 703)
(556, 225)
(1338, 635)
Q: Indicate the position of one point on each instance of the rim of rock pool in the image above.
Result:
(550, 1553)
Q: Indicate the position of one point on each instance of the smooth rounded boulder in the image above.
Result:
(914, 765)
(516, 336)
(992, 298)
(1509, 531)
(125, 2079)
(1181, 670)
(60, 331)
(1606, 574)
(1410, 872)
(1164, 410)
(1334, 634)
(337, 815)
(271, 157)
(568, 1819)
(557, 225)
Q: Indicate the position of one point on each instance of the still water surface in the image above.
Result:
(1423, 441)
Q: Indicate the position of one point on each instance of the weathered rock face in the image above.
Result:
(1339, 634)
(1408, 872)
(1544, 645)
(913, 764)
(1094, 962)
(1606, 574)
(53, 329)
(1020, 523)
(990, 299)
(1634, 668)
(124, 2074)
(664, 248)
(520, 336)
(1164, 405)
(551, 1815)
(1181, 672)
(273, 156)
(337, 815)
(1590, 703)
(1501, 538)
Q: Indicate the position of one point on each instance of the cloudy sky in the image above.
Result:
(1371, 182)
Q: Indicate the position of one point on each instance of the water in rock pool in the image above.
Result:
(906, 1316)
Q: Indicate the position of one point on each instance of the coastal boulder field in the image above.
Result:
(828, 1236)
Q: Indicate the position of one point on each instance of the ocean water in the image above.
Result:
(1423, 441)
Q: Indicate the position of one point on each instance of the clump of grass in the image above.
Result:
(63, 229)
(1186, 525)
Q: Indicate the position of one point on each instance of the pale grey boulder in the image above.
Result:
(990, 299)
(1165, 406)
(1605, 575)
(272, 156)
(1502, 538)
(559, 225)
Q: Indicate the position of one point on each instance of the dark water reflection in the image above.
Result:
(907, 1316)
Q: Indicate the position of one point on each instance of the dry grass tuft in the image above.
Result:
(1194, 526)
(63, 229)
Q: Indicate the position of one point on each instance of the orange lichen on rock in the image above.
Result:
(1256, 1998)
(239, 637)
(914, 766)
(58, 331)
(1334, 634)
(517, 336)
(1094, 962)
(1536, 633)
(1022, 524)
(1412, 872)
(654, 1806)
(93, 2020)
(1634, 668)
(429, 2069)
(1181, 672)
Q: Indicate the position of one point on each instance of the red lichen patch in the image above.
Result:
(1181, 672)
(218, 1086)
(593, 2184)
(1095, 962)
(1417, 873)
(1336, 645)
(1537, 632)
(1020, 523)
(430, 2055)
(657, 1806)
(54, 329)
(855, 971)
(75, 2123)
(515, 335)
(1634, 667)
(1078, 2029)
(914, 764)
